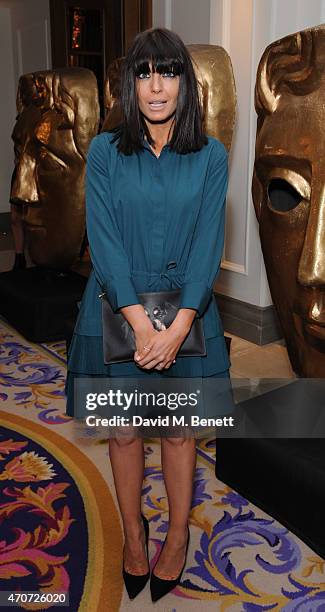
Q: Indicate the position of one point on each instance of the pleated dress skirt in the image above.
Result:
(85, 360)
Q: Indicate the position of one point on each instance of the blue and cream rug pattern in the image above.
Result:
(58, 501)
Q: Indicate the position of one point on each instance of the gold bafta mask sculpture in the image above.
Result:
(58, 115)
(289, 190)
(217, 92)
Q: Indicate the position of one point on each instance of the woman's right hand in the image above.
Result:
(142, 326)
(142, 338)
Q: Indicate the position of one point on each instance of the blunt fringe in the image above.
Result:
(166, 52)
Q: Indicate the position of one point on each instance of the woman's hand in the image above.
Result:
(161, 349)
(143, 337)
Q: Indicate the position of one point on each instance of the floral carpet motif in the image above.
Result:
(32, 376)
(240, 559)
(243, 559)
(55, 534)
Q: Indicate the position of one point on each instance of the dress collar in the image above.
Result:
(147, 146)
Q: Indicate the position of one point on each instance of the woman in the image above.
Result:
(155, 199)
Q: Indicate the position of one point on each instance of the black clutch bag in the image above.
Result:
(161, 307)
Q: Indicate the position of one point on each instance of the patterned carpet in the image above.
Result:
(60, 523)
(56, 536)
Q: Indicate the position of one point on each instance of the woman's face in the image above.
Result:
(157, 94)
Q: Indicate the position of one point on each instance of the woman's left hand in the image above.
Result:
(161, 351)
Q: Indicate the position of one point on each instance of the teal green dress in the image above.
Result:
(153, 224)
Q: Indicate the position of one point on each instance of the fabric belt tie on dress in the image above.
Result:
(170, 274)
(161, 275)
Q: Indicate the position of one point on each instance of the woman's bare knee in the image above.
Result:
(177, 442)
(124, 436)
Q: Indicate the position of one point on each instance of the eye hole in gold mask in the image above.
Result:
(283, 197)
(286, 189)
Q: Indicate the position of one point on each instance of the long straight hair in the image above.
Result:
(166, 52)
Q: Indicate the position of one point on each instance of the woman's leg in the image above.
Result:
(178, 459)
(127, 459)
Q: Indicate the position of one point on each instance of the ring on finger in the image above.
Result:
(145, 348)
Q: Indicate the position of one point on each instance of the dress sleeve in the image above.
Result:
(208, 238)
(108, 256)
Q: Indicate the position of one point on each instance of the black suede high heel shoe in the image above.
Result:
(160, 587)
(133, 583)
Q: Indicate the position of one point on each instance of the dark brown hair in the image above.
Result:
(166, 52)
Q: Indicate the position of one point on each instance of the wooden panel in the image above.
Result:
(58, 33)
(113, 30)
(137, 16)
(112, 10)
(146, 15)
(131, 21)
